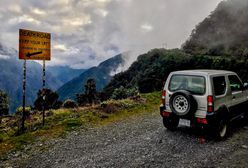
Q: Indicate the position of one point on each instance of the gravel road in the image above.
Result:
(140, 141)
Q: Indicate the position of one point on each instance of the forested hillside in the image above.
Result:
(224, 32)
(220, 41)
(150, 70)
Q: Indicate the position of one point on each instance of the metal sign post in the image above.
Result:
(34, 45)
(44, 96)
(23, 95)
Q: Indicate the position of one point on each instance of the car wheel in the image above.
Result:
(221, 130)
(182, 103)
(171, 122)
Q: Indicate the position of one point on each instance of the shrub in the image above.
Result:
(112, 106)
(4, 103)
(123, 93)
(51, 100)
(57, 105)
(70, 104)
(19, 111)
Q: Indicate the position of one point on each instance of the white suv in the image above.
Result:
(204, 98)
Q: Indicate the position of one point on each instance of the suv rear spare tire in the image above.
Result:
(182, 103)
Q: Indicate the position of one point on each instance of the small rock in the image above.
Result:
(41, 144)
(16, 155)
(244, 146)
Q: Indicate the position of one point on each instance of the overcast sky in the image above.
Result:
(86, 32)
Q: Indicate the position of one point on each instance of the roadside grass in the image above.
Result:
(62, 121)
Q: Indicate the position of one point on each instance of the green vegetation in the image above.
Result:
(59, 122)
(123, 93)
(4, 104)
(150, 70)
(224, 32)
(70, 104)
(90, 95)
(51, 100)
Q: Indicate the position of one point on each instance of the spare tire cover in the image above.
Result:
(182, 103)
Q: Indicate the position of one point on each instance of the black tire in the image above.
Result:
(221, 130)
(171, 122)
(182, 103)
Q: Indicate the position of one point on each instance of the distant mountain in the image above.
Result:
(11, 77)
(102, 75)
(64, 73)
(224, 32)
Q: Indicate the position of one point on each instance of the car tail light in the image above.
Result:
(210, 104)
(202, 120)
(163, 97)
(165, 114)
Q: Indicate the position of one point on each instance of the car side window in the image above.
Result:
(235, 83)
(219, 84)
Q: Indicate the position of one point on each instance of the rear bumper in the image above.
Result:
(163, 111)
(162, 108)
(210, 118)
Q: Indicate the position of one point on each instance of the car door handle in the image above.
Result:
(234, 97)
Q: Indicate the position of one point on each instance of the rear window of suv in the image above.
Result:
(194, 84)
(219, 84)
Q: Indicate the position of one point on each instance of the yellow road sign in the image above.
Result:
(34, 45)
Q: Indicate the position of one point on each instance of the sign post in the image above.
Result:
(34, 45)
(44, 96)
(23, 95)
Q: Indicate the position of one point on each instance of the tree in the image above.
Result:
(90, 90)
(51, 100)
(4, 104)
(90, 95)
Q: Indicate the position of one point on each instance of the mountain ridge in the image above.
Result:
(64, 73)
(11, 78)
(224, 32)
(101, 74)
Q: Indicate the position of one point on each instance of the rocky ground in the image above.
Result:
(140, 141)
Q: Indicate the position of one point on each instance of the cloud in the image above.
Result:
(146, 27)
(38, 11)
(4, 56)
(24, 18)
(86, 32)
(60, 47)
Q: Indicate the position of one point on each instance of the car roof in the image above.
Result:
(203, 72)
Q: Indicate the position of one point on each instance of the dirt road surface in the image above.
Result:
(139, 141)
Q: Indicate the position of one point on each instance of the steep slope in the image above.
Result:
(64, 73)
(215, 43)
(101, 74)
(11, 77)
(224, 32)
(151, 69)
